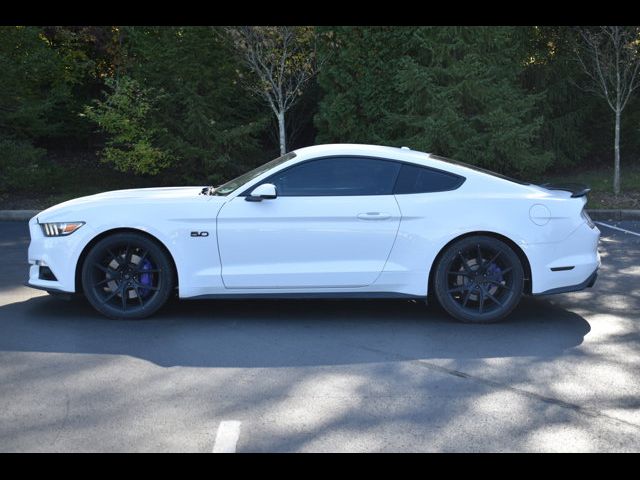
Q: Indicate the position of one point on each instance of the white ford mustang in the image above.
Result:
(324, 221)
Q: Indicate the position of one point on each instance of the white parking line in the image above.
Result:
(227, 437)
(618, 228)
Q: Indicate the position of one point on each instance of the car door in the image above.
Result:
(332, 224)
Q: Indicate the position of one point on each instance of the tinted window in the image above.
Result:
(479, 169)
(415, 179)
(337, 176)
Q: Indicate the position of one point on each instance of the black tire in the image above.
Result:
(127, 276)
(479, 279)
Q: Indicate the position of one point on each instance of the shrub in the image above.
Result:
(24, 167)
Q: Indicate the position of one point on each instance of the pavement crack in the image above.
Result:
(63, 424)
(502, 386)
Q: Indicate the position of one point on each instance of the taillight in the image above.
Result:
(587, 218)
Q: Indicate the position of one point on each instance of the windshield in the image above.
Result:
(232, 185)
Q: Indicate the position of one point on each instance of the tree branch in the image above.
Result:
(281, 61)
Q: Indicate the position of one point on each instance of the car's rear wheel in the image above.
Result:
(479, 279)
(127, 275)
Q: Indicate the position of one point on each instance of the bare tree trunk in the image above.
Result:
(612, 62)
(282, 131)
(616, 164)
(282, 59)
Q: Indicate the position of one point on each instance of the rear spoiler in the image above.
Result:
(576, 189)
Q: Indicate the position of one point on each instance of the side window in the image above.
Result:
(337, 176)
(416, 179)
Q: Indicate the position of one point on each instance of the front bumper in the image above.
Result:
(53, 291)
(60, 254)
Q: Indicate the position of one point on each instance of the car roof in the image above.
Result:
(392, 153)
(360, 149)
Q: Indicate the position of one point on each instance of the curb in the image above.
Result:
(612, 215)
(17, 215)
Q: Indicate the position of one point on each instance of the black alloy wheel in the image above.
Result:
(127, 275)
(479, 279)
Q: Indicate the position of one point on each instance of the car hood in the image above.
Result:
(119, 197)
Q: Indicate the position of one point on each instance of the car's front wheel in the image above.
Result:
(127, 275)
(479, 279)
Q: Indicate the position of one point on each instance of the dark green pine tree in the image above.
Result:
(39, 105)
(35, 86)
(358, 83)
(569, 129)
(462, 96)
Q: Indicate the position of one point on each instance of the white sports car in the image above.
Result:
(325, 221)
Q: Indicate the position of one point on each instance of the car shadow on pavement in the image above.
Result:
(254, 334)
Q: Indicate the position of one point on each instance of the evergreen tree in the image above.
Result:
(461, 95)
(201, 126)
(571, 116)
(358, 81)
(35, 85)
(37, 105)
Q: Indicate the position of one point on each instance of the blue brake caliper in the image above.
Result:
(145, 278)
(494, 273)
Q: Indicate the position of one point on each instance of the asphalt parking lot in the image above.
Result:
(360, 376)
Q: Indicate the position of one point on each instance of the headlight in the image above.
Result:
(60, 229)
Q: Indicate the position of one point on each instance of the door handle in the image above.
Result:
(374, 216)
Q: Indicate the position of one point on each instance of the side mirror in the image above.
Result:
(266, 191)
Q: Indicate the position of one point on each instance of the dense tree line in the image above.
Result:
(172, 102)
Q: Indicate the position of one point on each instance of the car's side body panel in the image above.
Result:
(431, 221)
(306, 242)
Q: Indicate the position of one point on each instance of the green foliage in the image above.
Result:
(463, 97)
(126, 115)
(48, 75)
(23, 167)
(454, 91)
(88, 54)
(204, 122)
(167, 105)
(34, 90)
(33, 86)
(164, 98)
(568, 112)
(358, 81)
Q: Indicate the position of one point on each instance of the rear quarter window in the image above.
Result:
(417, 179)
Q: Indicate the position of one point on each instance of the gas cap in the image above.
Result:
(539, 214)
